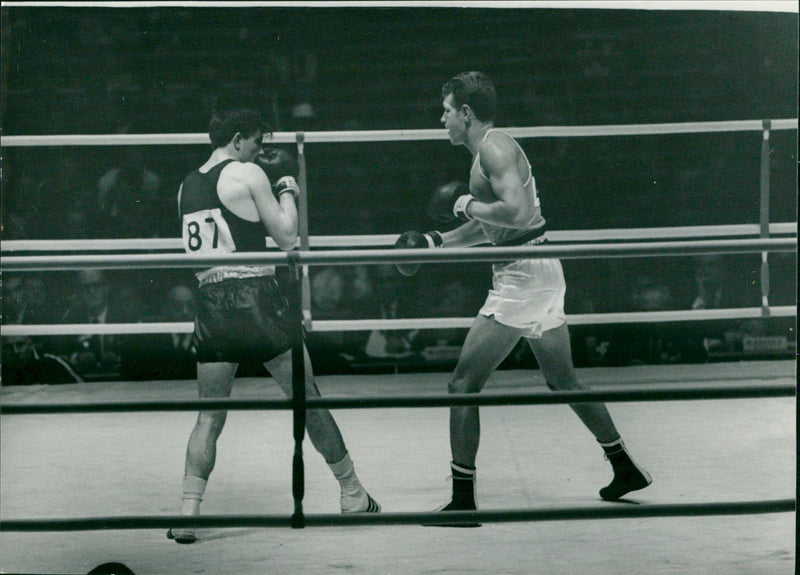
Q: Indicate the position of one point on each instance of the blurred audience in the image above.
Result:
(127, 198)
(94, 300)
(392, 301)
(65, 198)
(656, 342)
(649, 294)
(711, 291)
(455, 299)
(328, 302)
(25, 359)
(156, 356)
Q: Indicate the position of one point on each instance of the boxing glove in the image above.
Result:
(282, 171)
(449, 202)
(414, 239)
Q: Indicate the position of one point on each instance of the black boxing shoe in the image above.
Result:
(456, 505)
(628, 476)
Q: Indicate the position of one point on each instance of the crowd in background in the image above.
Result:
(53, 193)
(371, 292)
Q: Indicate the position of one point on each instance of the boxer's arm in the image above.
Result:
(513, 207)
(279, 218)
(465, 235)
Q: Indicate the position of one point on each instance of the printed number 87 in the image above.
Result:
(196, 240)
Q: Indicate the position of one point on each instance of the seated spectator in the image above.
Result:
(328, 302)
(650, 295)
(651, 343)
(360, 291)
(165, 355)
(95, 300)
(28, 360)
(453, 300)
(713, 289)
(391, 301)
(710, 291)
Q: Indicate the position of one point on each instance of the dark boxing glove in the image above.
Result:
(414, 239)
(282, 171)
(449, 202)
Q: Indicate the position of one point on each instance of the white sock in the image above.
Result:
(345, 473)
(193, 490)
(613, 447)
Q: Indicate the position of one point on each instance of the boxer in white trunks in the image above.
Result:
(500, 205)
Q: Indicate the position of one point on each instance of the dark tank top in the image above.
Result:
(208, 226)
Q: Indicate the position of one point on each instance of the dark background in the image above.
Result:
(164, 70)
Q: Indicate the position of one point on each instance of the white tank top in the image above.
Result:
(501, 235)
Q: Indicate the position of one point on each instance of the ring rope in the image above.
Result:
(404, 135)
(378, 240)
(396, 518)
(383, 256)
(630, 393)
(18, 330)
(379, 256)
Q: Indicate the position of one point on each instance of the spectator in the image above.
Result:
(27, 360)
(359, 289)
(328, 302)
(650, 295)
(455, 300)
(95, 301)
(710, 292)
(651, 343)
(165, 355)
(390, 302)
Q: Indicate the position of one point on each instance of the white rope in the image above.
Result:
(404, 135)
(574, 319)
(97, 328)
(401, 324)
(174, 244)
(384, 256)
(683, 5)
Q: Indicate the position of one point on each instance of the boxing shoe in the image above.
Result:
(628, 476)
(353, 497)
(358, 501)
(463, 498)
(456, 505)
(182, 536)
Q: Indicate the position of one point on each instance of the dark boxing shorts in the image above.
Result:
(242, 320)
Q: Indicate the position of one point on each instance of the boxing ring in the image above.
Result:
(773, 383)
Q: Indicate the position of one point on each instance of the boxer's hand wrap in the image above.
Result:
(435, 239)
(286, 185)
(443, 200)
(460, 207)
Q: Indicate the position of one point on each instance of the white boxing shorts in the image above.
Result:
(528, 295)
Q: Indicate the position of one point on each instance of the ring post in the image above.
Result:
(298, 390)
(302, 213)
(764, 216)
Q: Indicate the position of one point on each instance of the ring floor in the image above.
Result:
(107, 464)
